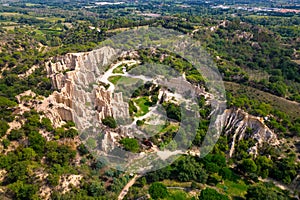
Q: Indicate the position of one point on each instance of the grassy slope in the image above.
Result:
(289, 107)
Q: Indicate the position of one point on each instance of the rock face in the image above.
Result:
(76, 76)
(235, 123)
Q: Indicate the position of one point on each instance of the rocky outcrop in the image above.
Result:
(235, 123)
(75, 76)
(80, 97)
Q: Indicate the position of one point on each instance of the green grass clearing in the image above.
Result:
(233, 188)
(91, 143)
(152, 129)
(143, 106)
(114, 79)
(8, 23)
(177, 194)
(119, 70)
(173, 183)
(173, 127)
(122, 80)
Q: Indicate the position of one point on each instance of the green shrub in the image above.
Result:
(5, 143)
(158, 191)
(212, 194)
(110, 122)
(173, 111)
(130, 144)
(3, 128)
(140, 122)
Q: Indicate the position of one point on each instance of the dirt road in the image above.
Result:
(126, 188)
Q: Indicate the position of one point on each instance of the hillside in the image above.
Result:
(83, 117)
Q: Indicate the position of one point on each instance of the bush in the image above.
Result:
(36, 142)
(130, 144)
(82, 150)
(140, 122)
(96, 189)
(110, 122)
(22, 190)
(71, 133)
(226, 173)
(132, 108)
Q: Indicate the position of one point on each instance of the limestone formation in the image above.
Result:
(235, 123)
(80, 97)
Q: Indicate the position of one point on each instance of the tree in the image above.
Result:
(158, 190)
(46, 123)
(22, 190)
(6, 103)
(53, 179)
(82, 150)
(3, 128)
(248, 166)
(5, 143)
(36, 142)
(18, 171)
(212, 167)
(59, 154)
(16, 134)
(71, 133)
(260, 192)
(187, 169)
(211, 194)
(263, 165)
(226, 173)
(28, 154)
(96, 189)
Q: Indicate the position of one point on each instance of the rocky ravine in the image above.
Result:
(79, 97)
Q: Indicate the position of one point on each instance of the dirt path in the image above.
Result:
(127, 187)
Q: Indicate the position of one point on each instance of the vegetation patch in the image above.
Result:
(289, 107)
(130, 144)
(233, 188)
(114, 79)
(143, 104)
(119, 69)
(110, 122)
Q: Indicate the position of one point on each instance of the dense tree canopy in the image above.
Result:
(158, 191)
